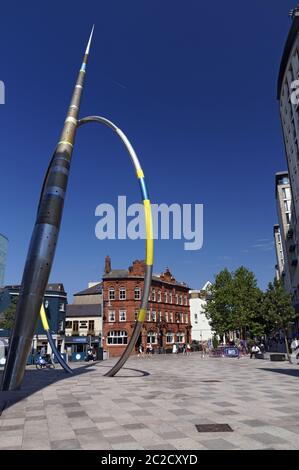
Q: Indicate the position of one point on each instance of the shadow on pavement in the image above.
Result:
(292, 372)
(36, 380)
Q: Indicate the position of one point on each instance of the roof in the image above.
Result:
(125, 274)
(54, 287)
(286, 53)
(84, 310)
(96, 289)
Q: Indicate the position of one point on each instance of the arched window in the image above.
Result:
(111, 293)
(180, 337)
(151, 337)
(117, 337)
(169, 337)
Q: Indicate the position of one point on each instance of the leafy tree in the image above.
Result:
(235, 303)
(278, 311)
(8, 318)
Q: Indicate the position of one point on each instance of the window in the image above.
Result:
(62, 307)
(154, 295)
(180, 337)
(83, 324)
(154, 317)
(171, 317)
(159, 296)
(166, 316)
(288, 217)
(195, 318)
(151, 337)
(166, 297)
(122, 315)
(111, 315)
(169, 337)
(136, 315)
(186, 316)
(122, 293)
(117, 337)
(287, 205)
(148, 315)
(68, 324)
(170, 297)
(137, 293)
(75, 325)
(91, 325)
(176, 298)
(186, 300)
(160, 316)
(111, 293)
(181, 300)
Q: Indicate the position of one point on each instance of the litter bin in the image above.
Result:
(105, 355)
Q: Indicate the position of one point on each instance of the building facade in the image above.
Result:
(279, 267)
(284, 207)
(83, 326)
(168, 315)
(289, 115)
(55, 301)
(201, 329)
(3, 254)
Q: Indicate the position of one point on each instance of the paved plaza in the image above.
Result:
(155, 403)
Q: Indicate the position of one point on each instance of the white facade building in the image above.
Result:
(201, 330)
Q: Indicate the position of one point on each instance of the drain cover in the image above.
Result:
(213, 428)
(210, 381)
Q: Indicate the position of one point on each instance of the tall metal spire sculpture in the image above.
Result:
(43, 242)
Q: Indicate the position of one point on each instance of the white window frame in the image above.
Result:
(111, 291)
(110, 313)
(151, 334)
(137, 293)
(122, 315)
(121, 334)
(122, 293)
(168, 335)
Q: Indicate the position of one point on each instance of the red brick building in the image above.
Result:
(168, 315)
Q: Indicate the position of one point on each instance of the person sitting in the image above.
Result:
(254, 351)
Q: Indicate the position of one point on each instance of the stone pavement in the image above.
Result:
(155, 403)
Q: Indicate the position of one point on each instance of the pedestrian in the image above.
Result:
(174, 348)
(141, 351)
(188, 349)
(294, 349)
(254, 351)
(43, 351)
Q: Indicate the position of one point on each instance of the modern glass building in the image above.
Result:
(3, 252)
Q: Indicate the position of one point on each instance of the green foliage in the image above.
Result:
(235, 303)
(277, 309)
(8, 318)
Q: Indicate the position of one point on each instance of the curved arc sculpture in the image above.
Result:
(44, 239)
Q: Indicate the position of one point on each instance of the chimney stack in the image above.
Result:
(107, 264)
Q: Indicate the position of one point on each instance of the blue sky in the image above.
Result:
(193, 84)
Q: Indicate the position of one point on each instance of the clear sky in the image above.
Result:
(192, 83)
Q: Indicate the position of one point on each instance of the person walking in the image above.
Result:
(295, 350)
(188, 349)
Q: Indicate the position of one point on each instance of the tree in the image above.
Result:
(278, 311)
(7, 319)
(235, 303)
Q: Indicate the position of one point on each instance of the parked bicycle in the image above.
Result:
(44, 362)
